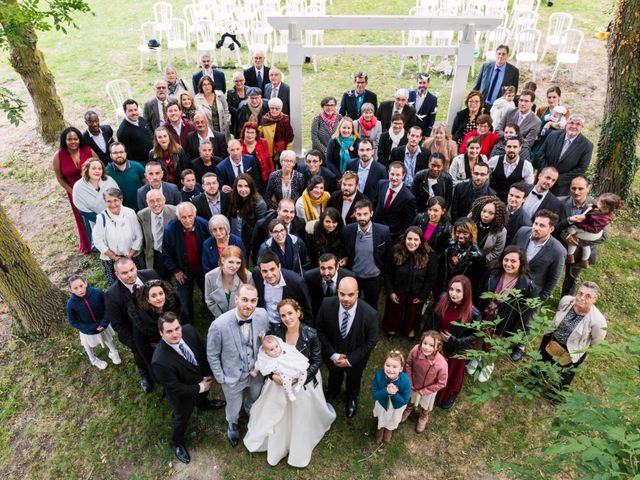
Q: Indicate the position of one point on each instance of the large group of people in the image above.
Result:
(289, 258)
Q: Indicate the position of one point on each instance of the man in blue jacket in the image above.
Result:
(182, 253)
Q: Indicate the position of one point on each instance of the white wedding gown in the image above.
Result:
(278, 426)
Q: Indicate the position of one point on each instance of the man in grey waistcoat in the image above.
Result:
(233, 342)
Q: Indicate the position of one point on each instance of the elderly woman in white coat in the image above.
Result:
(117, 234)
(578, 325)
(214, 105)
(87, 192)
(222, 283)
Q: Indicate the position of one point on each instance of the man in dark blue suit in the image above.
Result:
(276, 88)
(97, 136)
(235, 164)
(182, 253)
(257, 75)
(495, 75)
(207, 69)
(369, 172)
(425, 104)
(353, 100)
(396, 206)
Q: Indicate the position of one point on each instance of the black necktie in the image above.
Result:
(329, 290)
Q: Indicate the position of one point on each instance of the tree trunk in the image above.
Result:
(37, 305)
(617, 161)
(28, 61)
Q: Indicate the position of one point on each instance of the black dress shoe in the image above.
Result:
(331, 397)
(449, 403)
(145, 383)
(233, 434)
(212, 405)
(517, 355)
(182, 454)
(352, 408)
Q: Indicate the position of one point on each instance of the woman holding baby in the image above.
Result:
(277, 424)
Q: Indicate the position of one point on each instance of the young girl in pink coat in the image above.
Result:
(427, 370)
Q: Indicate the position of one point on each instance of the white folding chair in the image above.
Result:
(295, 7)
(260, 38)
(499, 36)
(162, 14)
(569, 51)
(177, 38)
(523, 20)
(525, 5)
(206, 41)
(147, 32)
(279, 45)
(558, 23)
(189, 12)
(526, 49)
(118, 91)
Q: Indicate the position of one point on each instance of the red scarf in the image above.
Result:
(330, 121)
(367, 125)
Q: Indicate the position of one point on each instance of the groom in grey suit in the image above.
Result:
(233, 342)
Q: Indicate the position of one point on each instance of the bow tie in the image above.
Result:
(347, 199)
(242, 322)
(538, 195)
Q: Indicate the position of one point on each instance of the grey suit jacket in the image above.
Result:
(546, 266)
(215, 295)
(151, 114)
(144, 217)
(494, 245)
(529, 129)
(224, 345)
(169, 190)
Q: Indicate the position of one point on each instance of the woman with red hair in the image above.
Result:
(454, 306)
(254, 144)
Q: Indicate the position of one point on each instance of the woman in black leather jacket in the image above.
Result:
(462, 256)
(435, 224)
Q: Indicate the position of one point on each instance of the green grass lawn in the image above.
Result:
(63, 418)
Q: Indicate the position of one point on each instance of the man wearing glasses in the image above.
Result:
(353, 100)
(524, 117)
(569, 151)
(155, 110)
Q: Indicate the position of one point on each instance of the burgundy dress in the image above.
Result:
(456, 365)
(72, 174)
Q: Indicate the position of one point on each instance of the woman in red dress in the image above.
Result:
(67, 165)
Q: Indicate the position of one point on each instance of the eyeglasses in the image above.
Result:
(154, 283)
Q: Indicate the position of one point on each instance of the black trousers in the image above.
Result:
(370, 290)
(158, 266)
(337, 375)
(185, 292)
(182, 410)
(568, 372)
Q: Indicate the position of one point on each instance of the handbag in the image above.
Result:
(558, 352)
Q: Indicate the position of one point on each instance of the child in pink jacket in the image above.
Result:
(427, 370)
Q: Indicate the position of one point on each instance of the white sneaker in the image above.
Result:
(115, 357)
(485, 373)
(472, 366)
(101, 364)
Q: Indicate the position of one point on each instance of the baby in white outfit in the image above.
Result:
(279, 358)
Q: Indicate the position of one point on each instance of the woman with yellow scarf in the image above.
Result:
(312, 202)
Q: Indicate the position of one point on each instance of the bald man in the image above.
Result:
(348, 331)
(235, 164)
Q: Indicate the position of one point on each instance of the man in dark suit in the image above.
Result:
(425, 104)
(367, 245)
(348, 331)
(116, 301)
(397, 105)
(314, 166)
(98, 137)
(212, 201)
(540, 196)
(257, 75)
(277, 89)
(516, 215)
(243, 114)
(353, 100)
(369, 171)
(396, 205)
(153, 174)
(287, 213)
(569, 152)
(322, 282)
(235, 164)
(275, 283)
(153, 221)
(545, 256)
(412, 155)
(180, 364)
(178, 127)
(208, 70)
(465, 193)
(155, 110)
(423, 187)
(497, 74)
(134, 134)
(202, 133)
(182, 254)
(346, 198)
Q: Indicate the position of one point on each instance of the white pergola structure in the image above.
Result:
(297, 50)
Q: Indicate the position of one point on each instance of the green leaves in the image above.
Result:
(11, 105)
